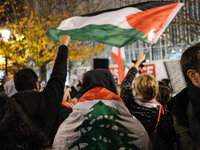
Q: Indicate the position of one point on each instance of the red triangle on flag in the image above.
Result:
(151, 20)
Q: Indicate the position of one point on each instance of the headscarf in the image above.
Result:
(98, 78)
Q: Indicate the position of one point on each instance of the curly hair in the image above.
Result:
(17, 131)
(146, 86)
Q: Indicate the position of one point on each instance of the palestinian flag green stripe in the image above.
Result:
(107, 34)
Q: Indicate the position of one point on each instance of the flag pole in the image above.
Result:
(148, 48)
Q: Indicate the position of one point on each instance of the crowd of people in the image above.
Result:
(95, 115)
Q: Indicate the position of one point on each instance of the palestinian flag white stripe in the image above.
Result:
(101, 19)
(102, 124)
(119, 27)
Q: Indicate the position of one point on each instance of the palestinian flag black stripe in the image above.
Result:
(142, 6)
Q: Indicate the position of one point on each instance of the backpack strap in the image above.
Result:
(161, 112)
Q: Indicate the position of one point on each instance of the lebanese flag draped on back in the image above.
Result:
(118, 56)
(100, 120)
(122, 26)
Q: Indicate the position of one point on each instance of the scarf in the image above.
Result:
(146, 103)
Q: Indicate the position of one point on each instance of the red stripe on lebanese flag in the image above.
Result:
(117, 58)
(67, 104)
(100, 93)
(150, 21)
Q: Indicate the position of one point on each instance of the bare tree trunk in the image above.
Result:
(43, 71)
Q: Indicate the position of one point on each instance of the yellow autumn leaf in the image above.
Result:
(32, 42)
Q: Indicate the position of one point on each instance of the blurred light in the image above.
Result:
(1, 74)
(1, 60)
(147, 60)
(151, 35)
(5, 35)
(180, 50)
(19, 37)
(173, 51)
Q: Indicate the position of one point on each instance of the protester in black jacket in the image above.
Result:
(17, 131)
(45, 107)
(141, 100)
(185, 106)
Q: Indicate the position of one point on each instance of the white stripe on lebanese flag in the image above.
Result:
(122, 26)
(101, 120)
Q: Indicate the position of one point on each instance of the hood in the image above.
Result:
(98, 78)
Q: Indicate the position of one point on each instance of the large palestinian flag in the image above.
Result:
(100, 120)
(119, 27)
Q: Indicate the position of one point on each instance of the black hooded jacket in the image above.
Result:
(98, 78)
(45, 107)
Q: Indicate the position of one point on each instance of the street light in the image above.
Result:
(6, 36)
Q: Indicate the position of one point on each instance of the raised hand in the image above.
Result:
(140, 59)
(64, 40)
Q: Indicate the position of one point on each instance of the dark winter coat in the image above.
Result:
(45, 107)
(179, 105)
(147, 116)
